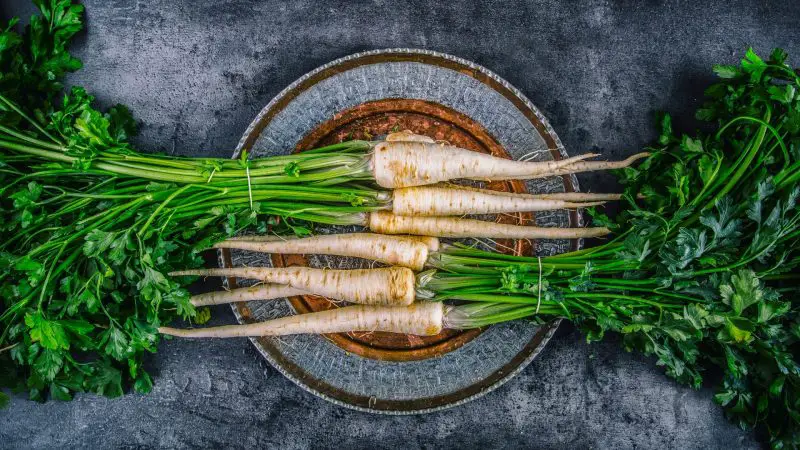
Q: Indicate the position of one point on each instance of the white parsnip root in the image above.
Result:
(458, 200)
(421, 319)
(590, 166)
(406, 163)
(395, 250)
(388, 223)
(579, 197)
(430, 241)
(383, 286)
(247, 294)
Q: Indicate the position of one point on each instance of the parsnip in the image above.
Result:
(430, 241)
(578, 196)
(590, 166)
(388, 223)
(398, 164)
(395, 250)
(457, 200)
(421, 319)
(383, 286)
(267, 291)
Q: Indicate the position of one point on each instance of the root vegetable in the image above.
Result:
(421, 319)
(383, 286)
(388, 223)
(590, 166)
(395, 250)
(453, 200)
(398, 164)
(259, 292)
(579, 196)
(431, 241)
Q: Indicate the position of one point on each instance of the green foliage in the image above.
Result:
(704, 273)
(32, 65)
(733, 193)
(90, 227)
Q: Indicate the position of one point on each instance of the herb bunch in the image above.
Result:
(90, 227)
(703, 271)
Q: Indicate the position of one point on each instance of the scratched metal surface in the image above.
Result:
(410, 380)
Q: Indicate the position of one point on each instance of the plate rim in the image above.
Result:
(552, 326)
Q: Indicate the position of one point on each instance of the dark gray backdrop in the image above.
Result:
(196, 72)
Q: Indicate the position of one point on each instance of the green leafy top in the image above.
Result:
(32, 65)
(90, 227)
(703, 271)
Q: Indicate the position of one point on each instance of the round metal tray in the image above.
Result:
(369, 94)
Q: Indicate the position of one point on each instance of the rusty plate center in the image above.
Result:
(365, 121)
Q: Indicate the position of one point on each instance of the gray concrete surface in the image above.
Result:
(195, 72)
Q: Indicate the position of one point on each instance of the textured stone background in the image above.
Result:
(196, 72)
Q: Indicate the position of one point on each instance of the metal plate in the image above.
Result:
(446, 98)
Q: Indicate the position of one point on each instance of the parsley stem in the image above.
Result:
(161, 207)
(35, 124)
(48, 154)
(604, 296)
(763, 123)
(29, 139)
(786, 70)
(654, 291)
(7, 328)
(783, 276)
(753, 150)
(495, 298)
(788, 177)
(480, 320)
(57, 271)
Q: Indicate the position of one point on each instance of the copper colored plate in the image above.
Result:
(364, 120)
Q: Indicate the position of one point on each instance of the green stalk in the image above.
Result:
(161, 207)
(22, 114)
(490, 298)
(326, 168)
(29, 139)
(734, 179)
(479, 316)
